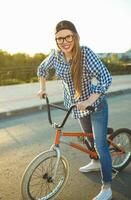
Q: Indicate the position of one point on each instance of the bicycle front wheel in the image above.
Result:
(122, 138)
(38, 182)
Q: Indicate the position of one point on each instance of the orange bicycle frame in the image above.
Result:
(93, 154)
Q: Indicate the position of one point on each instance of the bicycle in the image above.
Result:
(47, 174)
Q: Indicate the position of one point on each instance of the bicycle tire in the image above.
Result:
(121, 137)
(46, 159)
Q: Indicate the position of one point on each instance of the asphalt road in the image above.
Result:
(22, 138)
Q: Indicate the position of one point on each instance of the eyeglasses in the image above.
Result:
(68, 38)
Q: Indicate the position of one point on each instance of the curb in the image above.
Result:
(39, 108)
(26, 111)
(119, 92)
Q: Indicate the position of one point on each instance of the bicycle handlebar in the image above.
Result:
(53, 124)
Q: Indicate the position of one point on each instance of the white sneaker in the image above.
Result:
(105, 194)
(94, 165)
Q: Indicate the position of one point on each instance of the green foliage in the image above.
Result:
(19, 67)
(22, 68)
(118, 65)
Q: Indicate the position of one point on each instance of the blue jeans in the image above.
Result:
(97, 123)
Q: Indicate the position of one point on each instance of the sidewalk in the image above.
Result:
(19, 99)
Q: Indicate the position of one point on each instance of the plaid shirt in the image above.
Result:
(92, 68)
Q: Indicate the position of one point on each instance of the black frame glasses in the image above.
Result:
(68, 38)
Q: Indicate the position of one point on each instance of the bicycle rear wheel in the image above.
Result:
(121, 137)
(37, 182)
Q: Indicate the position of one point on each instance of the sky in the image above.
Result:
(27, 26)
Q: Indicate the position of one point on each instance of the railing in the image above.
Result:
(17, 75)
(9, 76)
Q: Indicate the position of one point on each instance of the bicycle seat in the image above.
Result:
(110, 130)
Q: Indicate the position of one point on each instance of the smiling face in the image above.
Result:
(65, 41)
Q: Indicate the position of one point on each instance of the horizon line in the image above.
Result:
(45, 53)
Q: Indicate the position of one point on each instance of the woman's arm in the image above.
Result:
(42, 90)
(84, 104)
(42, 72)
(97, 69)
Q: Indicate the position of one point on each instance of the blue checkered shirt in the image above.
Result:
(92, 68)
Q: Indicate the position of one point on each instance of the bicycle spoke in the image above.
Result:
(122, 139)
(41, 183)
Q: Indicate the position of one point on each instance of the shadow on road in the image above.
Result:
(121, 184)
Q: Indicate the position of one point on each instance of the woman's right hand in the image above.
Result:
(41, 93)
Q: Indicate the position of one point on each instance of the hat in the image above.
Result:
(65, 25)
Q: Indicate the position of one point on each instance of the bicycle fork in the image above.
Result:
(57, 149)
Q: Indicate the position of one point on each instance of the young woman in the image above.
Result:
(76, 66)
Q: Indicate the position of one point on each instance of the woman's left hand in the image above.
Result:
(83, 105)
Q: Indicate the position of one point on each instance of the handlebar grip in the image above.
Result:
(44, 96)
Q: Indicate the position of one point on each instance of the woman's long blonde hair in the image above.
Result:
(76, 67)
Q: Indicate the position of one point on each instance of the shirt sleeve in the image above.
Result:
(46, 65)
(98, 70)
